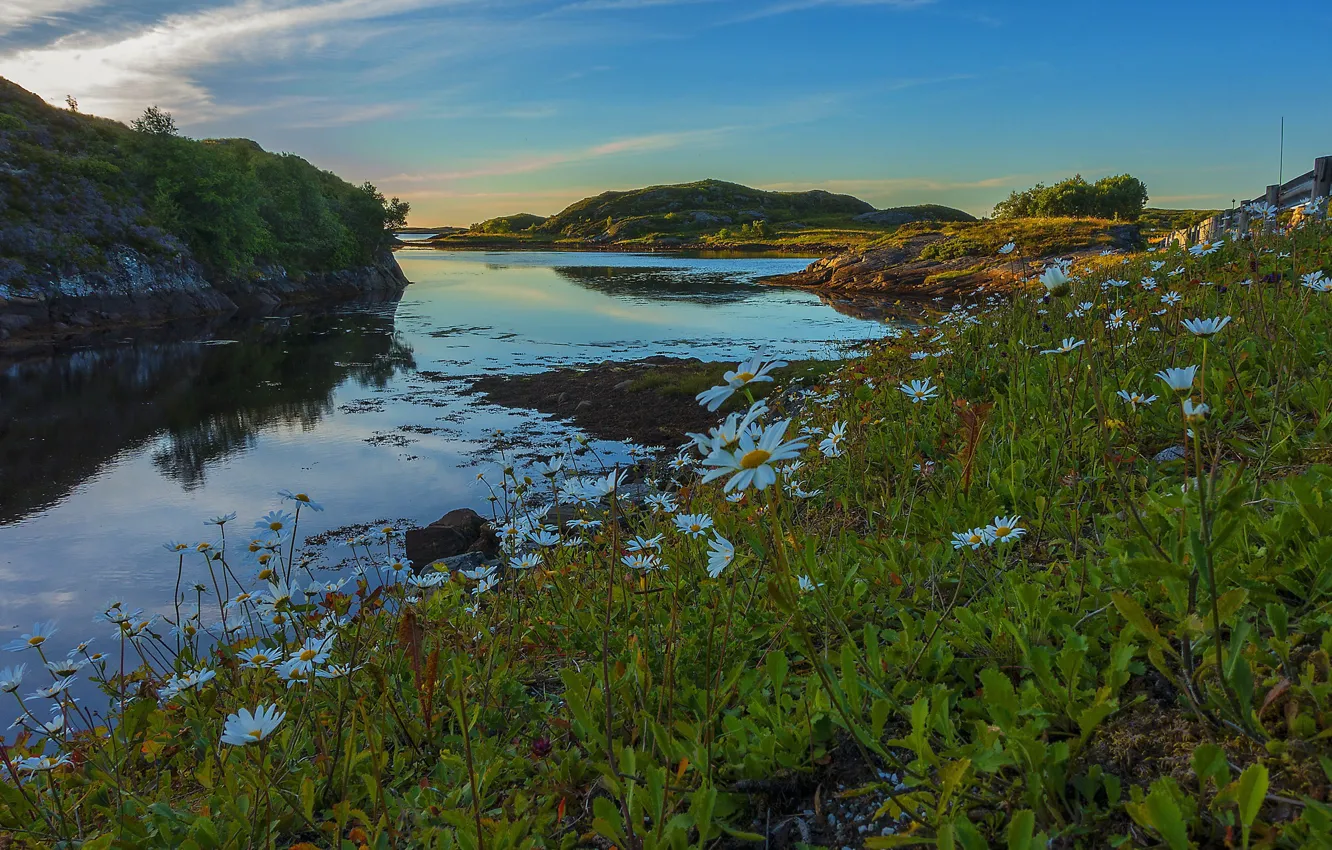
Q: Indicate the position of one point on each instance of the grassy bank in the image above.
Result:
(1036, 598)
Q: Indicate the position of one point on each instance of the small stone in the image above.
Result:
(1168, 454)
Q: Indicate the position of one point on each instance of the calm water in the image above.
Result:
(106, 452)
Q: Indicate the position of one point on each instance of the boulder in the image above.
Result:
(452, 534)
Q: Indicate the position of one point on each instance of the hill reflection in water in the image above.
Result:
(63, 417)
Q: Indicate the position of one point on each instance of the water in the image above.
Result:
(107, 451)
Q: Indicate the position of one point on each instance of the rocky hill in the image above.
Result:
(103, 224)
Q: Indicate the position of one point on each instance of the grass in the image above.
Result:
(989, 618)
(689, 382)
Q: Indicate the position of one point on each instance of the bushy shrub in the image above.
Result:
(1120, 197)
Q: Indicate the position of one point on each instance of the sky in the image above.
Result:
(475, 108)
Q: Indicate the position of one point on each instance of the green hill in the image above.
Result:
(80, 193)
(508, 224)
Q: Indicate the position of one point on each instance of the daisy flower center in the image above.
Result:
(1002, 531)
(36, 640)
(275, 526)
(308, 654)
(256, 734)
(755, 458)
(744, 376)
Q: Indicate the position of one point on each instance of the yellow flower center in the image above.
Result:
(275, 526)
(745, 377)
(259, 659)
(1002, 531)
(301, 497)
(36, 640)
(256, 734)
(755, 458)
(308, 654)
(695, 527)
(974, 538)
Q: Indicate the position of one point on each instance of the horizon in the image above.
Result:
(472, 109)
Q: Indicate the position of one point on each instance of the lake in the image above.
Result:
(108, 451)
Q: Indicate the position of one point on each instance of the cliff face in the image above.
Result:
(133, 290)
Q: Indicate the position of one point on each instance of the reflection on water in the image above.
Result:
(107, 451)
(197, 401)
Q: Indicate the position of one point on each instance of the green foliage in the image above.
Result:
(1120, 197)
(1148, 663)
(81, 187)
(509, 224)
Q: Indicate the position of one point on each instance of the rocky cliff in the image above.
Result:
(133, 290)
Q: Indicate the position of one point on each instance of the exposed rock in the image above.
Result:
(455, 533)
(465, 561)
(1170, 453)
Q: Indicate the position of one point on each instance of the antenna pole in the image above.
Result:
(1281, 159)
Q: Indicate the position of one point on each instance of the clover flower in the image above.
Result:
(245, 727)
(1205, 327)
(1180, 380)
(40, 633)
(720, 555)
(919, 391)
(752, 460)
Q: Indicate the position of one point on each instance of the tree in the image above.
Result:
(72, 102)
(1120, 197)
(155, 121)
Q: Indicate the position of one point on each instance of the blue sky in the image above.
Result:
(474, 108)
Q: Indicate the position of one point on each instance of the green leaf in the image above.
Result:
(1020, 830)
(1131, 611)
(999, 697)
(1249, 793)
(307, 797)
(776, 665)
(1165, 817)
(1209, 762)
(884, 841)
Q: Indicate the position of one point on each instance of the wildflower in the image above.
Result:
(312, 653)
(481, 573)
(274, 521)
(336, 671)
(752, 371)
(220, 519)
(1004, 528)
(41, 764)
(300, 499)
(1171, 297)
(681, 462)
(919, 391)
(720, 555)
(1179, 380)
(65, 667)
(752, 460)
(644, 562)
(693, 525)
(1316, 281)
(256, 659)
(605, 486)
(544, 537)
(396, 566)
(975, 538)
(1066, 346)
(527, 562)
(430, 579)
(1136, 398)
(1205, 327)
(587, 524)
(645, 544)
(1055, 281)
(53, 690)
(11, 678)
(174, 546)
(727, 434)
(1008, 248)
(1194, 412)
(245, 727)
(831, 446)
(807, 584)
(550, 468)
(800, 492)
(40, 633)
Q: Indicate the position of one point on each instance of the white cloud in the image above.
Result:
(118, 75)
(18, 14)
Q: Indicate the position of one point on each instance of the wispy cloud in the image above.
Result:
(160, 61)
(18, 14)
(541, 162)
(785, 7)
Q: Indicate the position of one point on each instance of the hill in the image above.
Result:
(92, 208)
(703, 214)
